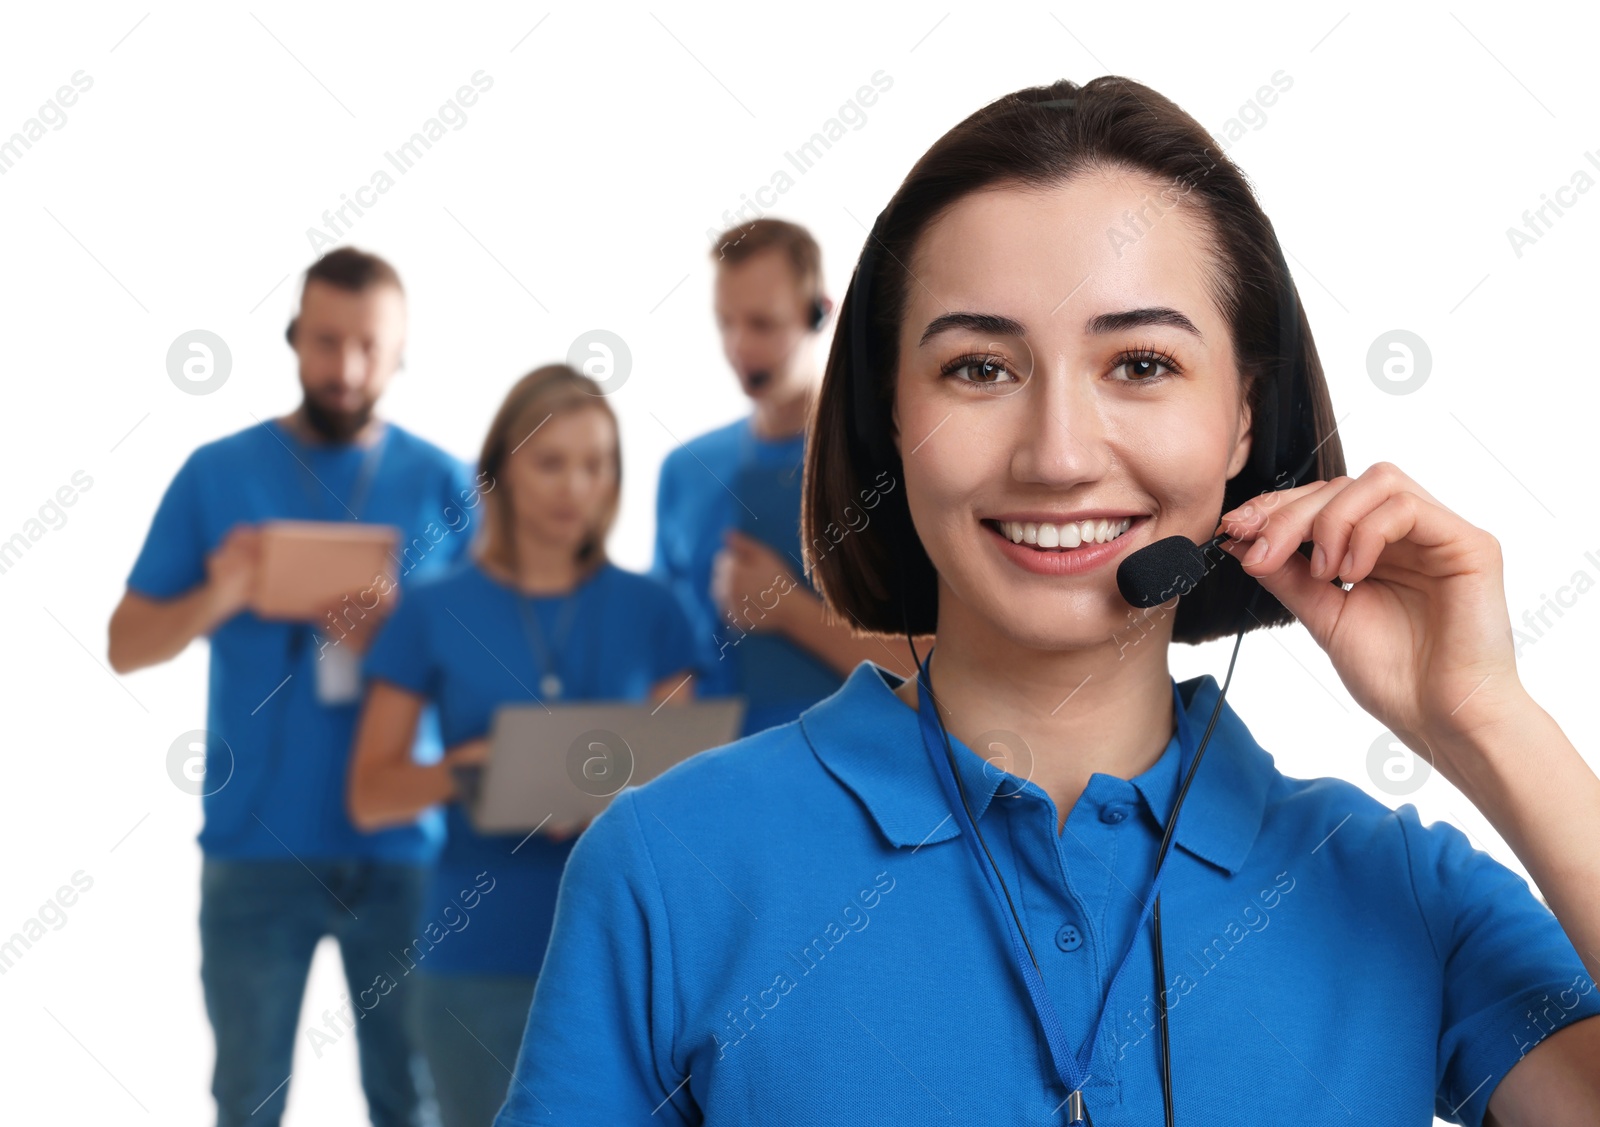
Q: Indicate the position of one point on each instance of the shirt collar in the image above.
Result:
(870, 741)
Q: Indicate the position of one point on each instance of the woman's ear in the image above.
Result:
(1243, 443)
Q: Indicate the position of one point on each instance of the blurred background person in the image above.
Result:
(537, 613)
(283, 865)
(728, 501)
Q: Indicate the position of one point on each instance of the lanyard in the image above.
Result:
(550, 683)
(364, 477)
(1072, 1068)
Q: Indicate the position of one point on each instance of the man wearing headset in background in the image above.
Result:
(282, 864)
(728, 502)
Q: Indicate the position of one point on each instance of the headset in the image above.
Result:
(816, 313)
(816, 316)
(1285, 422)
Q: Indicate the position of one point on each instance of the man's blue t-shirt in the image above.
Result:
(823, 950)
(733, 478)
(460, 642)
(276, 757)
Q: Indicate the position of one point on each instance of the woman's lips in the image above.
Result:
(1062, 561)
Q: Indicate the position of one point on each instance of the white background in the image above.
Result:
(578, 195)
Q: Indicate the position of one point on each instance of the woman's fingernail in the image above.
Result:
(1318, 558)
(1349, 561)
(1257, 553)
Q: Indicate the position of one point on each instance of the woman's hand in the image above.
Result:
(468, 752)
(750, 580)
(1422, 639)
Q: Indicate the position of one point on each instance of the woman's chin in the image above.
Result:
(1070, 624)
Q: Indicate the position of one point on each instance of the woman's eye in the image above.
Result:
(1142, 368)
(984, 371)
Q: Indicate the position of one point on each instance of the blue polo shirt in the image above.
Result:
(820, 949)
(732, 477)
(276, 757)
(459, 642)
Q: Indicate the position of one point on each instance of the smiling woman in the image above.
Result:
(1052, 404)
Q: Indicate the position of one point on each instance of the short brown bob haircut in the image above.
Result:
(1041, 137)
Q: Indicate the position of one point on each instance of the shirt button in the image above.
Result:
(1113, 814)
(1068, 938)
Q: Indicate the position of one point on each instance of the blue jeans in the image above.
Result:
(260, 922)
(471, 1026)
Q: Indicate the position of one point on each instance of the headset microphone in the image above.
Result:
(816, 316)
(1174, 565)
(1160, 571)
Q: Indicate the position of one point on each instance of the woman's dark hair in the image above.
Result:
(1039, 138)
(541, 394)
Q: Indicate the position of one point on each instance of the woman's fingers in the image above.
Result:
(1349, 520)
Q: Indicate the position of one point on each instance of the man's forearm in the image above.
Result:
(147, 631)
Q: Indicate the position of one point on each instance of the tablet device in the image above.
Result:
(554, 766)
(306, 565)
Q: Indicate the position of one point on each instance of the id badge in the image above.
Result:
(338, 675)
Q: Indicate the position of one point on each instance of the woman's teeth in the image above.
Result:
(1063, 535)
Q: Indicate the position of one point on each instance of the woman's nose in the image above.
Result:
(1060, 435)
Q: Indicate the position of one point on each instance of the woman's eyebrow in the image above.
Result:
(990, 323)
(996, 325)
(1132, 318)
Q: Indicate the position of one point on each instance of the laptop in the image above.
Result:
(559, 764)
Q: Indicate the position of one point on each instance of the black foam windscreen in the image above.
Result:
(1161, 571)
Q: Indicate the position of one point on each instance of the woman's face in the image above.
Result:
(563, 475)
(1061, 357)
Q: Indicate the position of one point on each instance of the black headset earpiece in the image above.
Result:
(817, 314)
(288, 333)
